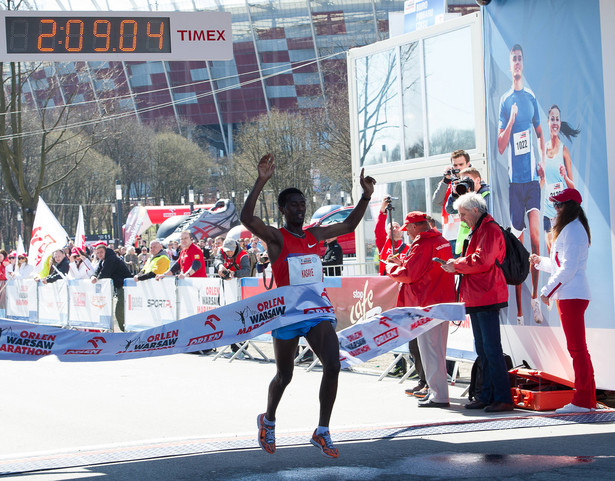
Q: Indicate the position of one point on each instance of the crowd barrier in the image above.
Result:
(65, 303)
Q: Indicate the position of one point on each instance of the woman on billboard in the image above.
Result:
(557, 167)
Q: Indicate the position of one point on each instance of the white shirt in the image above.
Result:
(24, 271)
(83, 271)
(567, 264)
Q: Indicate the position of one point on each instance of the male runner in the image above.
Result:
(518, 114)
(290, 241)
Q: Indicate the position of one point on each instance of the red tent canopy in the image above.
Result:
(158, 214)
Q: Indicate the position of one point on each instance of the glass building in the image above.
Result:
(414, 99)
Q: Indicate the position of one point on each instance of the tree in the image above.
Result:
(177, 163)
(289, 138)
(37, 135)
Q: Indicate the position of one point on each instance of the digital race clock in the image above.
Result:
(74, 36)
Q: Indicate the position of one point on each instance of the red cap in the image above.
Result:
(566, 195)
(413, 217)
(100, 244)
(76, 252)
(13, 254)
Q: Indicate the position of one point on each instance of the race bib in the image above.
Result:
(554, 189)
(521, 142)
(306, 269)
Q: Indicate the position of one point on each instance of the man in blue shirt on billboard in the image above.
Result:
(518, 115)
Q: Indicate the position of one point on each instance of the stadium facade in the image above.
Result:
(285, 52)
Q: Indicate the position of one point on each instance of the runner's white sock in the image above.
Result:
(321, 430)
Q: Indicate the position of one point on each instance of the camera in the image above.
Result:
(225, 276)
(464, 186)
(453, 173)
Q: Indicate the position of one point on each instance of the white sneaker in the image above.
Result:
(572, 408)
(536, 310)
(520, 321)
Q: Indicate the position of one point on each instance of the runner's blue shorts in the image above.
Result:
(299, 329)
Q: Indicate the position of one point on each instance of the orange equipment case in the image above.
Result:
(539, 391)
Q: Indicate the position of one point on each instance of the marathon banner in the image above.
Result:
(225, 325)
(384, 332)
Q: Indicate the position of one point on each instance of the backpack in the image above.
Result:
(516, 263)
(476, 377)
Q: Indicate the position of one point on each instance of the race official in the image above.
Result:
(424, 283)
(190, 262)
(158, 263)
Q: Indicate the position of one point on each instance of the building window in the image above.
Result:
(379, 111)
(329, 23)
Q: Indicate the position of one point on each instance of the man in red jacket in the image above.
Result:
(424, 283)
(484, 290)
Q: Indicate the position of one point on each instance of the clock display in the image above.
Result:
(89, 35)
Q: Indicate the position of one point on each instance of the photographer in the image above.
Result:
(232, 261)
(460, 160)
(469, 180)
(384, 232)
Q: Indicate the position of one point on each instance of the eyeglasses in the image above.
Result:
(557, 205)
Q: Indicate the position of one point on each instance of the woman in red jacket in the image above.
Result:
(484, 291)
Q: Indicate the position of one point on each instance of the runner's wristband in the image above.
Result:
(366, 198)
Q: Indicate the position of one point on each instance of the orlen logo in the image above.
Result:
(386, 337)
(209, 321)
(85, 352)
(214, 336)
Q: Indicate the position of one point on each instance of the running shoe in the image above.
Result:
(535, 303)
(266, 434)
(323, 441)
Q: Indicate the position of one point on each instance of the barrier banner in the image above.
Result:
(199, 294)
(91, 305)
(386, 331)
(53, 303)
(228, 324)
(149, 303)
(21, 299)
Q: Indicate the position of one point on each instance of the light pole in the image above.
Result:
(161, 202)
(342, 197)
(328, 198)
(114, 218)
(118, 198)
(191, 198)
(182, 199)
(19, 219)
(233, 196)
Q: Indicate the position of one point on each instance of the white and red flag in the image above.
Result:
(80, 232)
(47, 235)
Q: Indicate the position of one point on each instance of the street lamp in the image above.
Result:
(233, 196)
(19, 219)
(342, 197)
(161, 202)
(114, 219)
(118, 198)
(182, 200)
(328, 198)
(191, 198)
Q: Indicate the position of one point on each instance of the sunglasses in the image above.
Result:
(557, 205)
